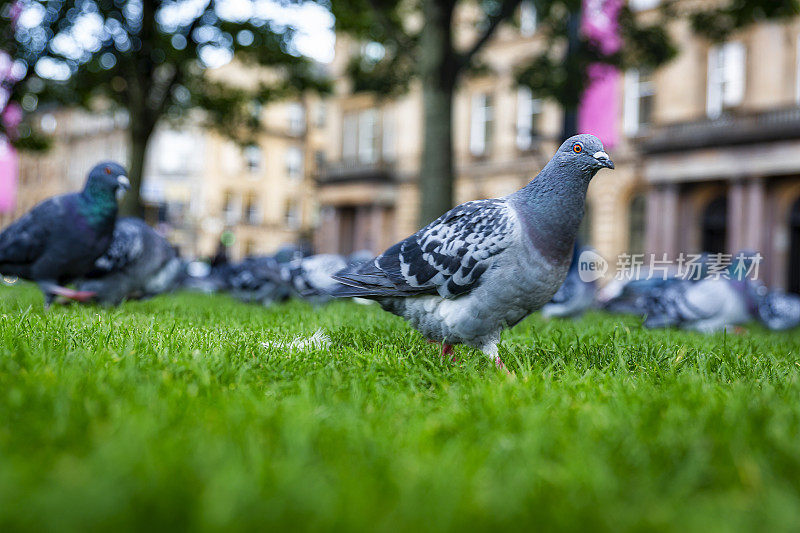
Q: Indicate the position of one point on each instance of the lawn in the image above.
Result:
(173, 414)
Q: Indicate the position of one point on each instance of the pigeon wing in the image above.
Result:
(25, 240)
(447, 257)
(127, 245)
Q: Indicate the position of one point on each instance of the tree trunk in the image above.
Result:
(131, 204)
(438, 72)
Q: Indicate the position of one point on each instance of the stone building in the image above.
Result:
(708, 156)
(197, 185)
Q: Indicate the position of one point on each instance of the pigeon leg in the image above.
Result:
(493, 352)
(447, 350)
(78, 296)
(51, 290)
(49, 297)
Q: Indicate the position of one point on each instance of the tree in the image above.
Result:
(418, 40)
(150, 57)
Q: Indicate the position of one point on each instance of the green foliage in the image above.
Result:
(151, 67)
(170, 414)
(718, 22)
(151, 59)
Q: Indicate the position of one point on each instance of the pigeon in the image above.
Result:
(257, 279)
(706, 306)
(139, 263)
(486, 264)
(574, 296)
(311, 277)
(779, 310)
(635, 296)
(59, 240)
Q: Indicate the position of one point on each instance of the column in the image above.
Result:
(736, 217)
(669, 220)
(755, 223)
(655, 216)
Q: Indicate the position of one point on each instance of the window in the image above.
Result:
(253, 158)
(480, 124)
(528, 111)
(643, 5)
(639, 97)
(292, 214)
(360, 136)
(367, 135)
(726, 77)
(294, 162)
(230, 208)
(797, 73)
(349, 136)
(637, 210)
(174, 151)
(527, 18)
(297, 118)
(388, 142)
(252, 213)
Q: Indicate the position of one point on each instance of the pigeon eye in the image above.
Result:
(577, 148)
(108, 170)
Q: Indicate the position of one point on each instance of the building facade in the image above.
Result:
(708, 156)
(197, 186)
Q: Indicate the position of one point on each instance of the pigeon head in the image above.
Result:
(584, 152)
(107, 178)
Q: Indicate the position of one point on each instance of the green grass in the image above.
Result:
(170, 414)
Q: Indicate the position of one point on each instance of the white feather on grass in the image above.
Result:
(316, 342)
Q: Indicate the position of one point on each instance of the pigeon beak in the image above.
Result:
(603, 159)
(124, 183)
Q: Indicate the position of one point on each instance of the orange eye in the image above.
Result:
(577, 148)
(108, 170)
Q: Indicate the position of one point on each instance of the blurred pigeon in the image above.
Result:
(636, 296)
(574, 296)
(312, 277)
(139, 263)
(706, 306)
(59, 240)
(258, 279)
(486, 264)
(779, 310)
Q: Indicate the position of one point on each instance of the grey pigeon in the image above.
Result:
(257, 279)
(706, 306)
(139, 263)
(779, 310)
(311, 277)
(574, 296)
(60, 239)
(636, 296)
(485, 265)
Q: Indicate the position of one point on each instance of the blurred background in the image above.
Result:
(346, 125)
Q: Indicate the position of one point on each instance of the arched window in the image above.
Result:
(715, 226)
(794, 248)
(637, 211)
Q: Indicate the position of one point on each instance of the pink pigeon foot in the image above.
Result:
(447, 349)
(78, 296)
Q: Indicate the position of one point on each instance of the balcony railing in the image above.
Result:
(729, 129)
(354, 170)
